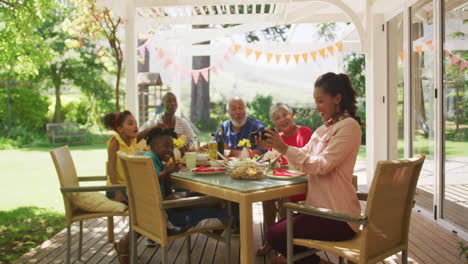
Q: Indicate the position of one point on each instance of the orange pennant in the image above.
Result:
(313, 54)
(419, 50)
(236, 48)
(339, 45)
(258, 54)
(248, 51)
(322, 53)
(296, 58)
(305, 56)
(402, 56)
(287, 57)
(278, 58)
(269, 55)
(331, 50)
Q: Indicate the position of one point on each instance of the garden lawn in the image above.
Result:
(28, 176)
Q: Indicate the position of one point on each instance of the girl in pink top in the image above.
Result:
(328, 160)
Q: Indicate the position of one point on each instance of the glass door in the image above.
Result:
(455, 199)
(423, 101)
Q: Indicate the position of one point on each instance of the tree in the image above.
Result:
(88, 22)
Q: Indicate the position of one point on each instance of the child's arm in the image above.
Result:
(111, 165)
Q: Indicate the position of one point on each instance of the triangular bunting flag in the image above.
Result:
(331, 50)
(214, 69)
(204, 72)
(248, 52)
(313, 54)
(296, 58)
(195, 76)
(226, 57)
(463, 65)
(278, 57)
(339, 45)
(176, 67)
(287, 57)
(236, 48)
(454, 60)
(305, 56)
(257, 55)
(185, 74)
(167, 63)
(220, 66)
(430, 46)
(419, 50)
(402, 56)
(160, 54)
(322, 52)
(268, 56)
(447, 53)
(142, 51)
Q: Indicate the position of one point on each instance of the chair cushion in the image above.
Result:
(96, 202)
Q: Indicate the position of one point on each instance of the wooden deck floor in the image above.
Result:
(429, 243)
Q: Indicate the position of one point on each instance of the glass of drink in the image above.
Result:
(190, 160)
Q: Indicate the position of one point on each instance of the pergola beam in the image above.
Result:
(168, 3)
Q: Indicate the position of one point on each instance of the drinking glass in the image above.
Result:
(190, 160)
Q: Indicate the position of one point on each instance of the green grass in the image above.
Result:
(24, 228)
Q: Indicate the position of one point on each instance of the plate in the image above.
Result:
(210, 172)
(269, 174)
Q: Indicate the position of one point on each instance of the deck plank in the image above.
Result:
(428, 243)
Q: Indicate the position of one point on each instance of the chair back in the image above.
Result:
(146, 213)
(67, 175)
(389, 207)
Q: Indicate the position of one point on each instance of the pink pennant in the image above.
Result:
(214, 69)
(149, 45)
(185, 74)
(167, 63)
(142, 51)
(176, 67)
(447, 53)
(226, 57)
(463, 65)
(160, 54)
(204, 72)
(220, 66)
(195, 76)
(454, 60)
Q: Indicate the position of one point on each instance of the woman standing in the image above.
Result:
(328, 161)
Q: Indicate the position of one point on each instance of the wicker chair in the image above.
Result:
(147, 209)
(385, 221)
(69, 183)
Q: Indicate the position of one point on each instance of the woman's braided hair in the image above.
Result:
(335, 84)
(157, 132)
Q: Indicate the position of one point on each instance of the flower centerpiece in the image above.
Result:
(178, 147)
(245, 144)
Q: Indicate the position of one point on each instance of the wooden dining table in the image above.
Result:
(244, 192)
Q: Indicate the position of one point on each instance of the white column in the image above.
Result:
(376, 94)
(131, 95)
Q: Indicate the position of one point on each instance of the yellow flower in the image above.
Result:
(178, 143)
(244, 143)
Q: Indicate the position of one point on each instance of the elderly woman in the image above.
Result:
(328, 161)
(169, 120)
(294, 135)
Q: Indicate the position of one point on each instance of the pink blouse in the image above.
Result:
(328, 160)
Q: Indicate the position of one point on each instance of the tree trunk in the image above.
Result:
(56, 79)
(200, 104)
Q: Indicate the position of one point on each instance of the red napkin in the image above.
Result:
(207, 169)
(283, 172)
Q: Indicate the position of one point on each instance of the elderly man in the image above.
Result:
(240, 126)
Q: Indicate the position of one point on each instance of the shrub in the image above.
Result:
(218, 115)
(307, 117)
(28, 108)
(76, 112)
(260, 109)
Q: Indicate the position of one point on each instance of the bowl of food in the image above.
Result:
(247, 173)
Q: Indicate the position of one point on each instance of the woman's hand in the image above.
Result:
(275, 141)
